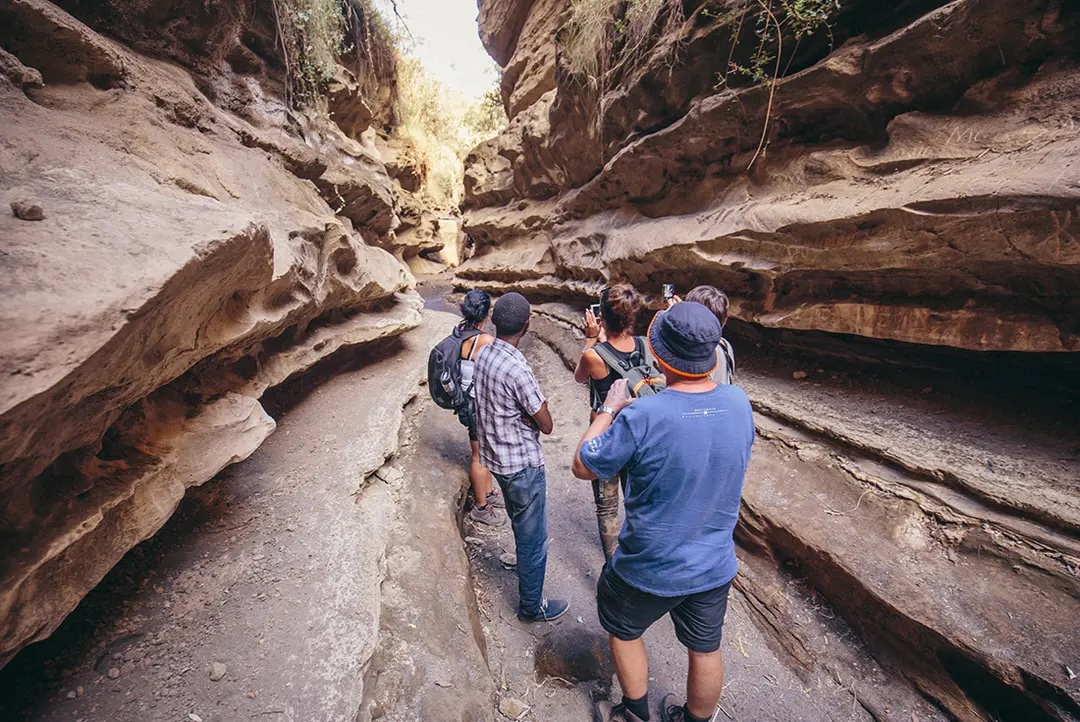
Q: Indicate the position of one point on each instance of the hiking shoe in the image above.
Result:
(488, 516)
(608, 712)
(671, 712)
(495, 498)
(550, 609)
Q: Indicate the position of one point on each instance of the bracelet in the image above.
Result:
(593, 337)
(605, 409)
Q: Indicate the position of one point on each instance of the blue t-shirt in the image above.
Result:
(685, 456)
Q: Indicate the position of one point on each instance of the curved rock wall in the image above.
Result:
(196, 248)
(914, 197)
(917, 183)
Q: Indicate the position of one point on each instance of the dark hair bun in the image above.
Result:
(475, 306)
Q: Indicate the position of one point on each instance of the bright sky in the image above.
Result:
(447, 43)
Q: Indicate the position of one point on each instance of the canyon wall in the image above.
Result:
(912, 175)
(181, 238)
(907, 189)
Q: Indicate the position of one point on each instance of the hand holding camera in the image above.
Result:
(592, 322)
(670, 299)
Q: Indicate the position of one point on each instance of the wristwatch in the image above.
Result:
(605, 409)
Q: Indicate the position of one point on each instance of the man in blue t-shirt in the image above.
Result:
(685, 451)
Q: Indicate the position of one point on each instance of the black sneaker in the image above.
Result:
(550, 609)
(671, 712)
(607, 712)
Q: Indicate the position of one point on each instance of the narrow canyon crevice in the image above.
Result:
(217, 227)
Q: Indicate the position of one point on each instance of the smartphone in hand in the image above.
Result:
(669, 291)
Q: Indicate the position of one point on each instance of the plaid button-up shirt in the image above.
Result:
(505, 389)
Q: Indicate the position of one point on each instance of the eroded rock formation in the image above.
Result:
(909, 188)
(201, 243)
(918, 182)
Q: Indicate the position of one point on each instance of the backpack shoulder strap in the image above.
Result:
(474, 348)
(465, 335)
(641, 353)
(729, 359)
(646, 352)
(461, 337)
(604, 351)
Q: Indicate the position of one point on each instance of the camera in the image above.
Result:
(669, 291)
(594, 309)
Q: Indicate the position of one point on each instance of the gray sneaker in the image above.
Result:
(489, 516)
(495, 499)
(670, 712)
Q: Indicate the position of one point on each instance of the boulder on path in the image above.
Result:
(27, 211)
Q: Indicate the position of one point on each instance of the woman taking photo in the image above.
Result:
(619, 309)
(475, 309)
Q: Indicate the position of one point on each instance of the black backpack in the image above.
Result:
(640, 371)
(444, 370)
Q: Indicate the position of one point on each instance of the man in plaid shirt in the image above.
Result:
(511, 413)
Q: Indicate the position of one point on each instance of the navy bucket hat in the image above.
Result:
(683, 339)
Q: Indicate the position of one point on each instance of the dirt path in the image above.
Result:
(270, 591)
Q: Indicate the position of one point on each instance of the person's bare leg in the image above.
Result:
(704, 683)
(479, 476)
(631, 666)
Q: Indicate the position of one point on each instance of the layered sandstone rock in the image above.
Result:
(914, 177)
(190, 257)
(917, 183)
(416, 236)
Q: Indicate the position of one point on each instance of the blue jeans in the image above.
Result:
(525, 493)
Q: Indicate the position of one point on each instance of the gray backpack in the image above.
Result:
(640, 371)
(725, 367)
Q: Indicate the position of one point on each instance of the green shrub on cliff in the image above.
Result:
(315, 36)
(311, 33)
(602, 34)
(604, 37)
(776, 20)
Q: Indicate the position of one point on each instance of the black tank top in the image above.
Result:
(598, 388)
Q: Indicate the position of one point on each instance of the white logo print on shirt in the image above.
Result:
(703, 413)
